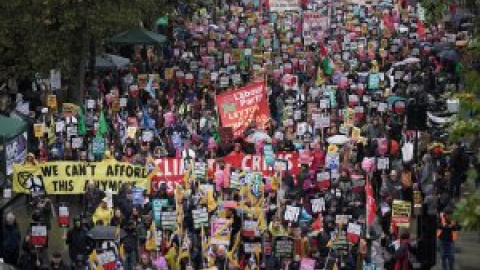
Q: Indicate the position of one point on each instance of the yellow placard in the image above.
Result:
(39, 130)
(52, 101)
(64, 177)
(131, 131)
(401, 212)
(169, 73)
(70, 109)
(355, 133)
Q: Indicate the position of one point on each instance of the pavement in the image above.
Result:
(57, 234)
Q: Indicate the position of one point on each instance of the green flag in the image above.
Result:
(327, 68)
(102, 125)
(81, 129)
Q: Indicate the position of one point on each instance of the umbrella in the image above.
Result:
(259, 135)
(104, 233)
(440, 46)
(440, 120)
(406, 61)
(111, 61)
(138, 36)
(449, 55)
(392, 99)
(338, 139)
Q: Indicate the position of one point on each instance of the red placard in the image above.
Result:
(239, 107)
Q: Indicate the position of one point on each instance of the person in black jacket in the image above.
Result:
(130, 242)
(77, 240)
(56, 262)
(11, 240)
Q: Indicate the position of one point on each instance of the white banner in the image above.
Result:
(284, 5)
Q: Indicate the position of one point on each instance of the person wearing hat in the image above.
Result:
(77, 240)
(103, 214)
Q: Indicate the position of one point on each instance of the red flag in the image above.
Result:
(371, 205)
(420, 29)
(323, 50)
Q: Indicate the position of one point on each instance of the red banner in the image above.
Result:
(239, 107)
(171, 170)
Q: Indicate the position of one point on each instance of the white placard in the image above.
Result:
(291, 213)
(318, 205)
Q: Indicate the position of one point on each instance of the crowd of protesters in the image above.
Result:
(352, 63)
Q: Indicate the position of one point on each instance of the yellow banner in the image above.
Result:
(65, 177)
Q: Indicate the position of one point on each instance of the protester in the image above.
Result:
(11, 240)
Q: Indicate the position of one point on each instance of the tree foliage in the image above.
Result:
(39, 35)
(467, 212)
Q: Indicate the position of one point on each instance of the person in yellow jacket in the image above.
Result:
(276, 228)
(103, 214)
(447, 233)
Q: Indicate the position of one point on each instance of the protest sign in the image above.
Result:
(69, 177)
(39, 130)
(240, 107)
(250, 228)
(251, 246)
(292, 213)
(200, 217)
(157, 205)
(220, 231)
(401, 211)
(307, 264)
(318, 205)
(283, 247)
(98, 146)
(137, 196)
(168, 218)
(38, 237)
(353, 232)
(52, 101)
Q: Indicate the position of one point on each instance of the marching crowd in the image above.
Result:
(338, 77)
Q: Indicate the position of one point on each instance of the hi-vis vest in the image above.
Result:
(439, 231)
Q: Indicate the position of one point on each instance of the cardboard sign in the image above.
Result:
(77, 142)
(283, 247)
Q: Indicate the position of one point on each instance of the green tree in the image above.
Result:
(39, 35)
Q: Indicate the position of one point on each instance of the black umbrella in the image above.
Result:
(440, 46)
(105, 233)
(449, 55)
